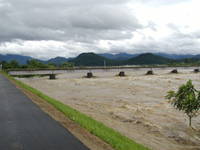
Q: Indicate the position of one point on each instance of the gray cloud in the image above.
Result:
(157, 3)
(173, 27)
(63, 20)
(49, 28)
(152, 25)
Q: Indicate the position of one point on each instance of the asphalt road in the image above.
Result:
(23, 125)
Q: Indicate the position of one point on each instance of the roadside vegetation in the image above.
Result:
(115, 139)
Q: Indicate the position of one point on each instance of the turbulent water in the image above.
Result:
(133, 105)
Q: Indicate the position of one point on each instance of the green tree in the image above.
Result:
(52, 64)
(187, 60)
(71, 64)
(5, 65)
(67, 65)
(14, 64)
(28, 62)
(171, 62)
(153, 65)
(144, 65)
(186, 99)
(34, 63)
(41, 65)
(25, 66)
(81, 66)
(3, 62)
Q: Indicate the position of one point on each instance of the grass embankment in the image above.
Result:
(115, 139)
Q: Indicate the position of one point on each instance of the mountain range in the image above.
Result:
(92, 59)
(57, 60)
(125, 56)
(120, 56)
(19, 58)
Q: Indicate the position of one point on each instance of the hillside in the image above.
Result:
(198, 56)
(147, 58)
(57, 60)
(120, 56)
(92, 59)
(125, 56)
(175, 56)
(19, 58)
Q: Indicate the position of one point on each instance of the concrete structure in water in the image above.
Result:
(121, 74)
(175, 71)
(196, 70)
(52, 76)
(89, 75)
(150, 72)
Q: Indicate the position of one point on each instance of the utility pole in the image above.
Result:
(104, 64)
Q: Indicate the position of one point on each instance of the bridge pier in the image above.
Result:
(196, 70)
(89, 75)
(52, 76)
(150, 72)
(175, 71)
(121, 74)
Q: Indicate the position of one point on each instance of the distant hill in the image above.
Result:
(125, 56)
(147, 58)
(197, 56)
(176, 56)
(92, 59)
(120, 56)
(107, 55)
(194, 59)
(57, 60)
(19, 58)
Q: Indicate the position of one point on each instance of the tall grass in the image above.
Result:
(115, 139)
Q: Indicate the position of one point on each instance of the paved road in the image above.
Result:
(23, 125)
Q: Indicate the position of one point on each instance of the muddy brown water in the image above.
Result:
(133, 105)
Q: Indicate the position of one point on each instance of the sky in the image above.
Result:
(45, 29)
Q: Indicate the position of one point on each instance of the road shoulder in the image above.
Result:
(90, 140)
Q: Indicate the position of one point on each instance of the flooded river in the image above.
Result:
(133, 105)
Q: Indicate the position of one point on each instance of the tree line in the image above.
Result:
(13, 64)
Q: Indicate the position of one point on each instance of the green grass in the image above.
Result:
(115, 139)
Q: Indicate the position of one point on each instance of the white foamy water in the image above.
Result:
(133, 105)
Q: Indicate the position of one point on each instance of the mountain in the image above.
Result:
(21, 59)
(120, 56)
(92, 59)
(193, 59)
(197, 56)
(176, 56)
(107, 55)
(148, 58)
(125, 56)
(57, 60)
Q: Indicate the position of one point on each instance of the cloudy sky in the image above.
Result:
(45, 29)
